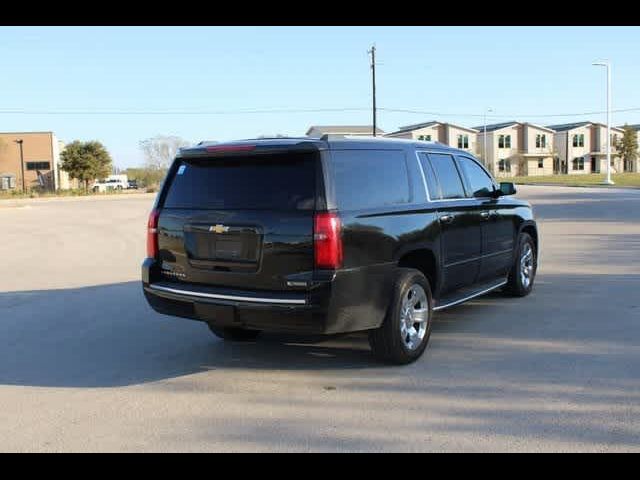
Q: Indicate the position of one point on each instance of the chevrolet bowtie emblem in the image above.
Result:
(218, 229)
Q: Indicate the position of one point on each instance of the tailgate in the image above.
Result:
(242, 222)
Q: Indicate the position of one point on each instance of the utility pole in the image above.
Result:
(373, 79)
(19, 142)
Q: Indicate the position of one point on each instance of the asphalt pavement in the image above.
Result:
(86, 365)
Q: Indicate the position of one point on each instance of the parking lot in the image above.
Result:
(86, 365)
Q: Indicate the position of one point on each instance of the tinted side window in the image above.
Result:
(430, 177)
(480, 183)
(369, 178)
(447, 175)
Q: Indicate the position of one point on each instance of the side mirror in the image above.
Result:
(507, 188)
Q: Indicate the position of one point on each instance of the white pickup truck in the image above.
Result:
(110, 184)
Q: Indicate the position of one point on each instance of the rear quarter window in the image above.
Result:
(366, 179)
(262, 182)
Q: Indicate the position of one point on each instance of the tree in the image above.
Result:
(628, 146)
(145, 177)
(86, 161)
(160, 150)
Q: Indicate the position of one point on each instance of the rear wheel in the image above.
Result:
(406, 329)
(523, 271)
(234, 333)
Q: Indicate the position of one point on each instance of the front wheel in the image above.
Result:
(406, 329)
(523, 271)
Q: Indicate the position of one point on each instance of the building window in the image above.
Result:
(578, 163)
(7, 182)
(38, 166)
(541, 141)
(541, 163)
(426, 138)
(578, 140)
(504, 165)
(463, 141)
(504, 141)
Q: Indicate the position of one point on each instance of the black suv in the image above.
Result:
(333, 235)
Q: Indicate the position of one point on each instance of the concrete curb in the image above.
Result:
(19, 202)
(610, 187)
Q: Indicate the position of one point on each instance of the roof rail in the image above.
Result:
(328, 136)
(208, 142)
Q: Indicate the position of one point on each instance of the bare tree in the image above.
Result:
(277, 135)
(160, 150)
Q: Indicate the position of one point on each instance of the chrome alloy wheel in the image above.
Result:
(414, 317)
(526, 266)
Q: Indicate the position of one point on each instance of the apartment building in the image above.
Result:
(446, 133)
(317, 131)
(516, 148)
(581, 148)
(29, 160)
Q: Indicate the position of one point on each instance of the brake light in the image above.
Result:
(327, 240)
(231, 148)
(152, 234)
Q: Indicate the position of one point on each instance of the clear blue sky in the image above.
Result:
(521, 72)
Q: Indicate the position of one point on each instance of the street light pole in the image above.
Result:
(607, 64)
(19, 142)
(484, 143)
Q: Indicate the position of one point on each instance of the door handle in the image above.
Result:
(485, 215)
(446, 218)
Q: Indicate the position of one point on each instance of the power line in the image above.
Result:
(297, 110)
(176, 112)
(442, 114)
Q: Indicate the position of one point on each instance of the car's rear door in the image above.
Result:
(459, 217)
(242, 220)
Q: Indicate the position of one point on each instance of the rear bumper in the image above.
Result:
(237, 309)
(344, 302)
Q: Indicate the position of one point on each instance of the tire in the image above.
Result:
(235, 334)
(520, 283)
(392, 342)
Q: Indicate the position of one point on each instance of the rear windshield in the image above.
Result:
(269, 182)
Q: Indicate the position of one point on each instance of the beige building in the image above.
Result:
(516, 148)
(317, 131)
(445, 133)
(582, 148)
(37, 154)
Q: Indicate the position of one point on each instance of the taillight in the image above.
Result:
(152, 234)
(327, 240)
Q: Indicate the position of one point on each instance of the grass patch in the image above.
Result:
(17, 194)
(620, 179)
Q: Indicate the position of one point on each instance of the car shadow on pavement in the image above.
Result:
(104, 336)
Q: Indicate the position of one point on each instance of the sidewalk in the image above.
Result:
(19, 202)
